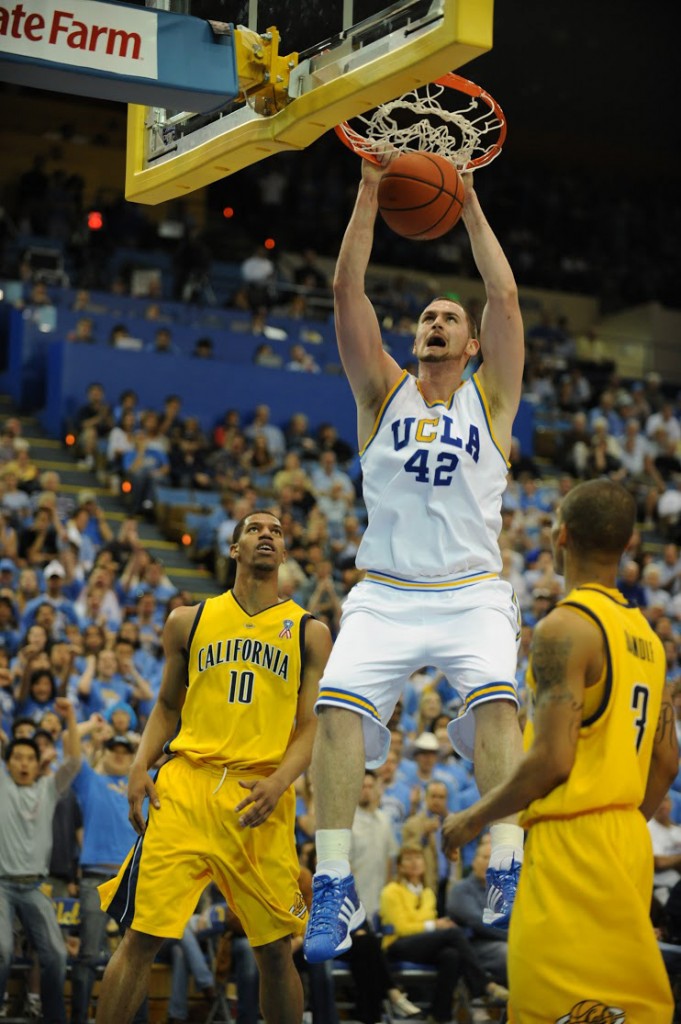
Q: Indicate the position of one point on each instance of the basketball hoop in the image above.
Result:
(470, 136)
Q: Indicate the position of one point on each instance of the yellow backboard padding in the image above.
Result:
(464, 33)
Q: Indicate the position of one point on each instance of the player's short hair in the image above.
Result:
(239, 528)
(600, 516)
(22, 742)
(470, 319)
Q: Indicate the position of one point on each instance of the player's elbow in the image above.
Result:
(555, 765)
(503, 291)
(555, 775)
(347, 283)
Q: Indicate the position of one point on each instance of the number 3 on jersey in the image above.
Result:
(639, 704)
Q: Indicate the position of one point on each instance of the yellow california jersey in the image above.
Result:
(620, 712)
(244, 675)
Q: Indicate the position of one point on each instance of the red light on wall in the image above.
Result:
(269, 243)
(126, 487)
(95, 221)
(228, 212)
(70, 440)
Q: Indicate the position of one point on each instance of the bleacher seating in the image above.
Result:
(45, 369)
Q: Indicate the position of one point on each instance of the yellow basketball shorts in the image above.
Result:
(581, 946)
(194, 838)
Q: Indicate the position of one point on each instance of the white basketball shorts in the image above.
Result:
(467, 628)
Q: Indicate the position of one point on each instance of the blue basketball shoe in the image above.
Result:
(501, 889)
(336, 911)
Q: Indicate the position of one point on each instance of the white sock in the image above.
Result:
(507, 846)
(333, 851)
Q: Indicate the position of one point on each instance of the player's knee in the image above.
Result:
(274, 956)
(338, 723)
(140, 947)
(495, 714)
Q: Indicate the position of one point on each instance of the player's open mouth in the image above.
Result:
(437, 340)
(265, 547)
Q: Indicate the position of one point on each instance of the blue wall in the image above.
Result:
(208, 388)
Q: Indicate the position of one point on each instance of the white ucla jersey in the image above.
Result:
(433, 477)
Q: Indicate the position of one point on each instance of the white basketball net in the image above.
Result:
(464, 136)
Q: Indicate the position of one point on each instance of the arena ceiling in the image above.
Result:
(591, 83)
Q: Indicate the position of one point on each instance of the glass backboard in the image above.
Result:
(305, 65)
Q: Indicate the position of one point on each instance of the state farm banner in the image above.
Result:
(86, 33)
(116, 51)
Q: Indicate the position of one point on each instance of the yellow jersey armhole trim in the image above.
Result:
(381, 412)
(488, 416)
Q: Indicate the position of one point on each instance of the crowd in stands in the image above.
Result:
(559, 235)
(82, 606)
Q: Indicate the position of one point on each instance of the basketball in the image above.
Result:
(421, 196)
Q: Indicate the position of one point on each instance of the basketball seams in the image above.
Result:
(424, 232)
(419, 206)
(421, 195)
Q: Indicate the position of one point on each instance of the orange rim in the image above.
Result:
(358, 143)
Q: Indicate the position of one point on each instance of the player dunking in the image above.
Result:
(601, 748)
(434, 458)
(243, 670)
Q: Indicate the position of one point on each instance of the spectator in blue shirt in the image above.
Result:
(123, 720)
(148, 665)
(154, 581)
(396, 794)
(106, 681)
(148, 618)
(146, 465)
(8, 568)
(54, 575)
(6, 697)
(36, 694)
(107, 838)
(9, 634)
(630, 586)
(97, 528)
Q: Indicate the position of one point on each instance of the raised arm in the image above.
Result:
(664, 764)
(501, 331)
(264, 794)
(564, 649)
(370, 370)
(162, 723)
(67, 771)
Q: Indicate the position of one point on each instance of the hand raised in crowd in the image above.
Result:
(64, 706)
(102, 732)
(48, 755)
(28, 652)
(126, 666)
